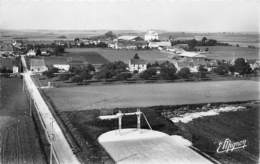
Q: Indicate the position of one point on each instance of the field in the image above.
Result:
(206, 133)
(122, 55)
(230, 52)
(19, 140)
(141, 95)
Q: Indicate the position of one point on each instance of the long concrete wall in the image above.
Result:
(61, 149)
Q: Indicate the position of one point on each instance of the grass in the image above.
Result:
(142, 95)
(122, 55)
(230, 52)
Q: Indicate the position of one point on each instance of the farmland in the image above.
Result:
(206, 133)
(140, 95)
(122, 55)
(230, 52)
(19, 140)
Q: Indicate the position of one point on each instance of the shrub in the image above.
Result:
(184, 73)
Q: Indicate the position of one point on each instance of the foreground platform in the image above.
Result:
(148, 146)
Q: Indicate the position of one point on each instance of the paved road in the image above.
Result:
(61, 146)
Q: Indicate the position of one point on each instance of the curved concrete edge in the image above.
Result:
(129, 134)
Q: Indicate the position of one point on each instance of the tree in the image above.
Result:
(136, 56)
(148, 74)
(192, 44)
(222, 69)
(203, 40)
(168, 71)
(202, 71)
(111, 70)
(38, 52)
(241, 66)
(184, 73)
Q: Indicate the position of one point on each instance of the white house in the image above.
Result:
(15, 69)
(31, 53)
(62, 67)
(137, 64)
(151, 35)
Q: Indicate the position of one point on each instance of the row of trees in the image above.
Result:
(240, 66)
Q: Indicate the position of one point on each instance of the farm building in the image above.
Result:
(38, 65)
(161, 44)
(62, 67)
(191, 63)
(137, 64)
(31, 53)
(151, 35)
(128, 42)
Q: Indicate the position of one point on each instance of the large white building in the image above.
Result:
(151, 35)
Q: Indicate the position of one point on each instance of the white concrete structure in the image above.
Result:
(140, 146)
(62, 67)
(62, 151)
(151, 35)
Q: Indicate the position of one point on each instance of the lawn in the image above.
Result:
(122, 55)
(230, 52)
(143, 95)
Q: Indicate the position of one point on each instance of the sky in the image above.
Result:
(170, 15)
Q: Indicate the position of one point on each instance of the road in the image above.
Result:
(62, 149)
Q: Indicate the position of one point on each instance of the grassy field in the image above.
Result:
(19, 140)
(141, 95)
(230, 52)
(205, 134)
(123, 55)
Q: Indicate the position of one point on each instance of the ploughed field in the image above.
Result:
(19, 142)
(143, 95)
(120, 55)
(205, 133)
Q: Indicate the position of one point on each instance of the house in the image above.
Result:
(38, 65)
(62, 67)
(15, 69)
(137, 65)
(192, 63)
(151, 35)
(31, 53)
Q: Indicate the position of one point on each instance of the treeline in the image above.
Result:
(193, 43)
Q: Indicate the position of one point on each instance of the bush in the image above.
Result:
(148, 74)
(168, 71)
(221, 69)
(76, 79)
(124, 76)
(64, 77)
(184, 73)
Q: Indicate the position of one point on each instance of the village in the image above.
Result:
(170, 59)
